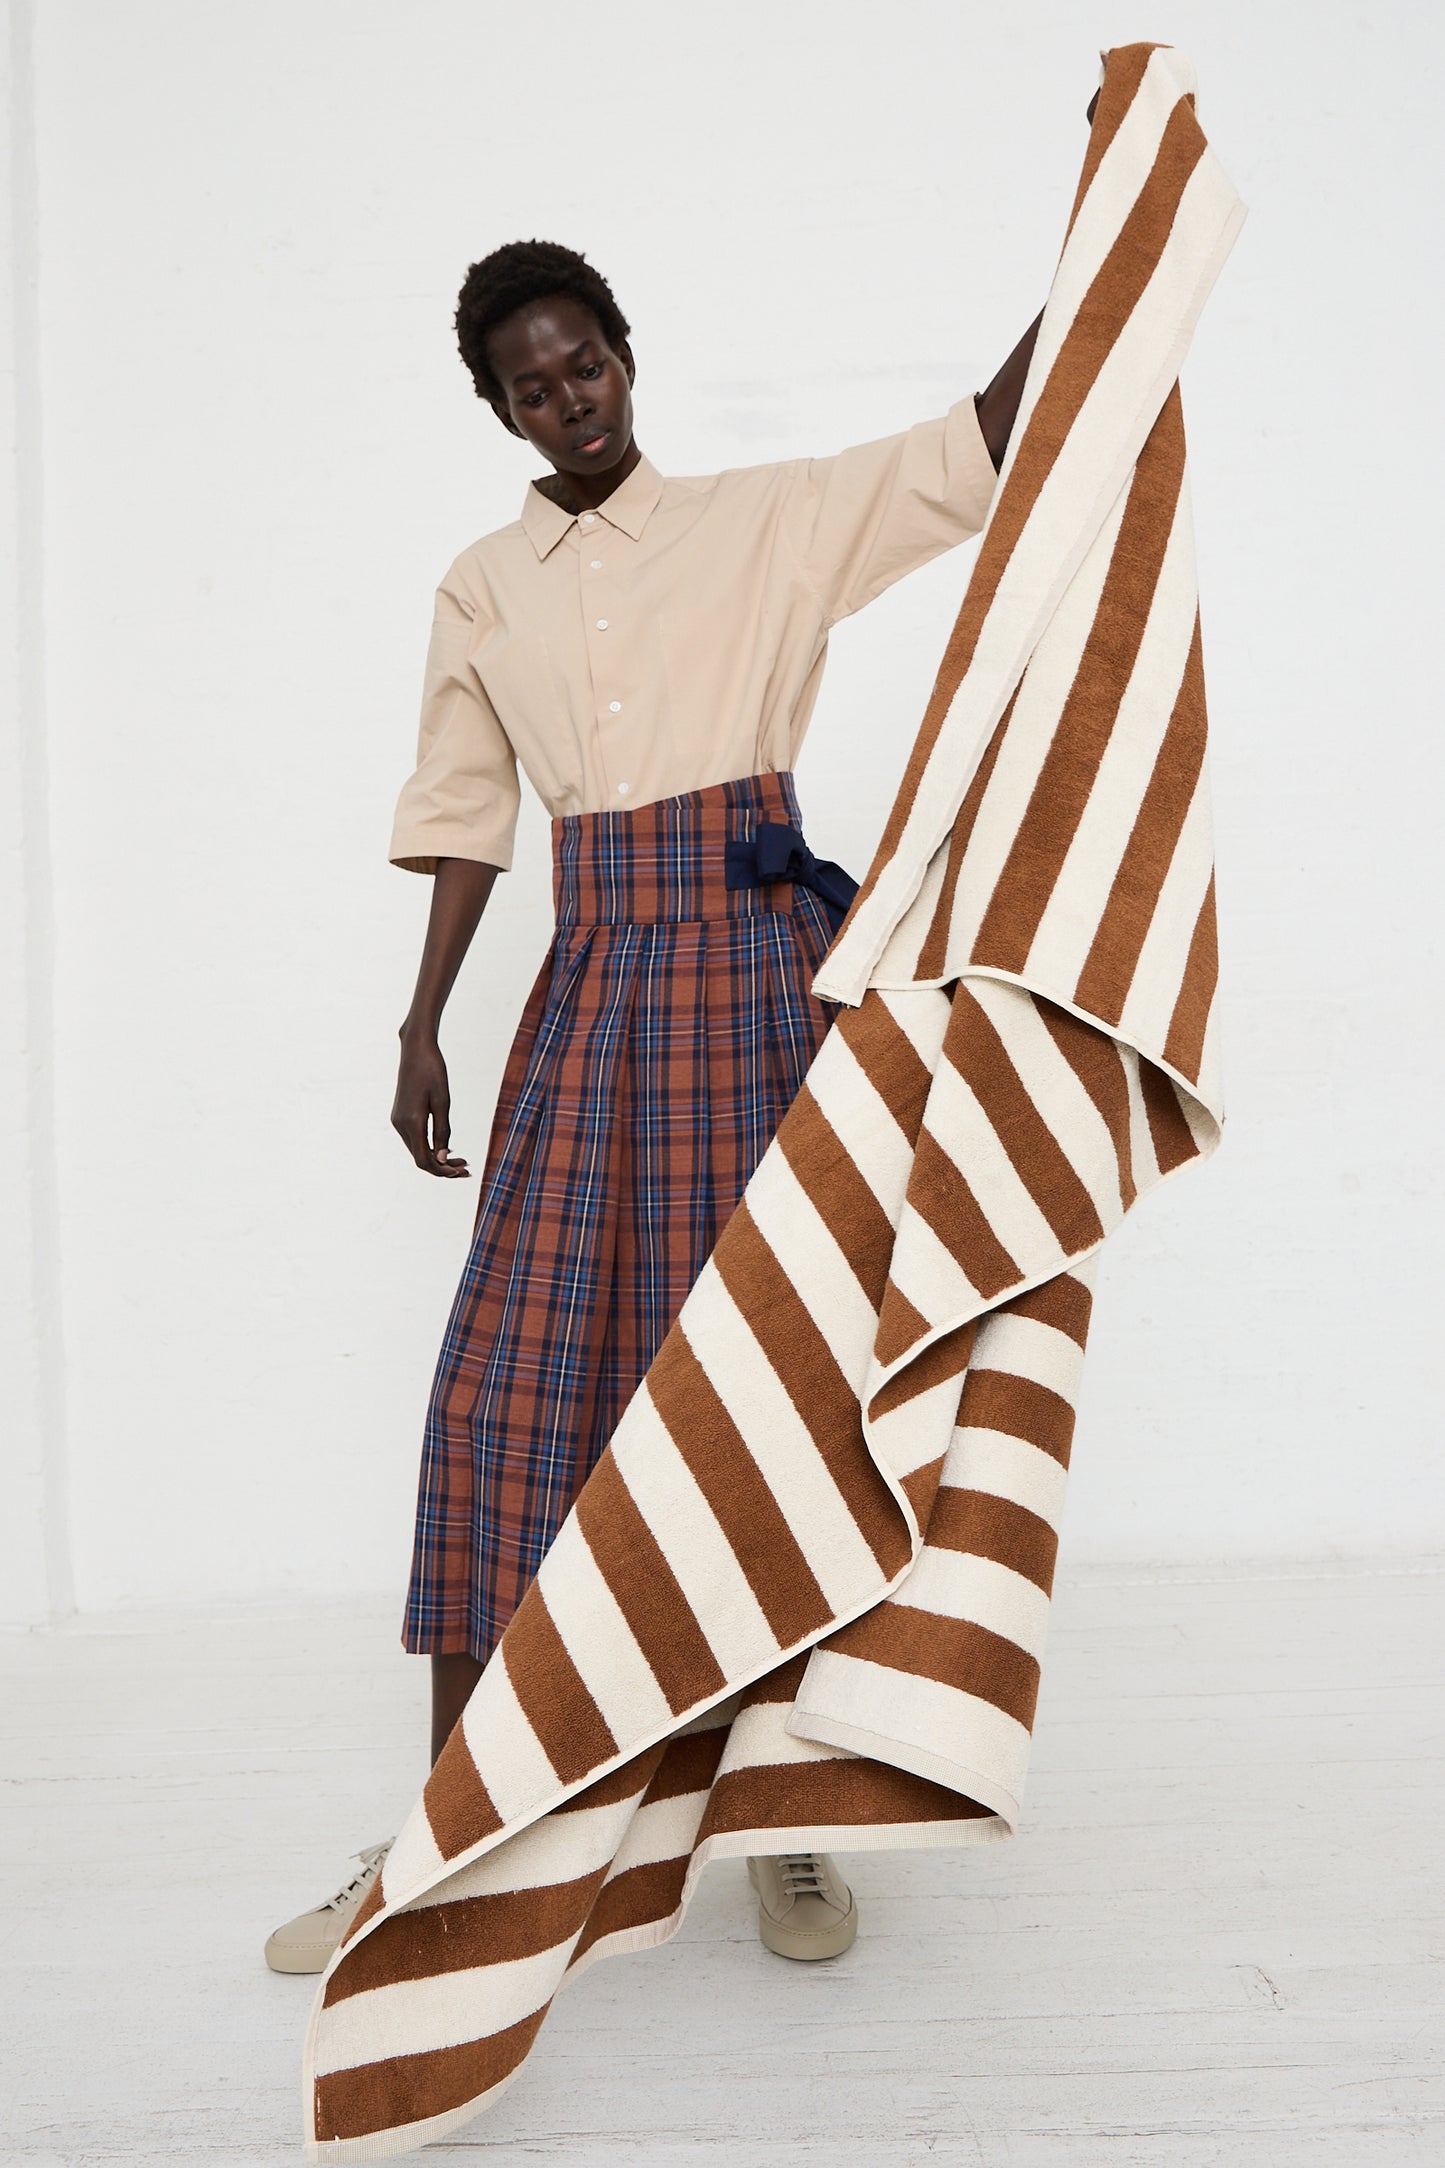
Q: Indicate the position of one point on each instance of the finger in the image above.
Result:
(412, 1131)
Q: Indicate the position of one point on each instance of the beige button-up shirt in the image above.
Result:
(671, 639)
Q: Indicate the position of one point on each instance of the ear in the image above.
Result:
(624, 355)
(504, 417)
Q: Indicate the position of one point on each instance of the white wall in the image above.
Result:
(259, 452)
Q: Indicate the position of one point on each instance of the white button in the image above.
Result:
(597, 564)
(615, 706)
(623, 789)
(589, 519)
(602, 624)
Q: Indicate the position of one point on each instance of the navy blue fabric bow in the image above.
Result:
(776, 852)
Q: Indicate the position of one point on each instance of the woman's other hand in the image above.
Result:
(421, 1111)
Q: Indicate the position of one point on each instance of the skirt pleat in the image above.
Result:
(666, 1035)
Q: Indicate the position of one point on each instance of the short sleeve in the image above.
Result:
(863, 518)
(462, 800)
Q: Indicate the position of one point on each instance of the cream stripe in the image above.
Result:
(790, 1224)
(558, 1848)
(957, 1584)
(926, 1274)
(960, 1127)
(1029, 1350)
(665, 1830)
(1112, 194)
(1159, 970)
(1101, 840)
(916, 1432)
(1007, 1467)
(921, 1014)
(598, 1637)
(1052, 1084)
(667, 1496)
(414, 1855)
(759, 1740)
(1041, 696)
(415, 2017)
(859, 1118)
(950, 1724)
(509, 1757)
(1141, 1138)
(779, 1440)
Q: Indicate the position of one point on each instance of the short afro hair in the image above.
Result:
(510, 278)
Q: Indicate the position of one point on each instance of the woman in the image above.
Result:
(650, 651)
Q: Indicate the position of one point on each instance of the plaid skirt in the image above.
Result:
(669, 1028)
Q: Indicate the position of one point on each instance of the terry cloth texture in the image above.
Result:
(670, 1026)
(801, 1602)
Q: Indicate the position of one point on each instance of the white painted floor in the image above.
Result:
(1216, 1942)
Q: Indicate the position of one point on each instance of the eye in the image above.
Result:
(534, 398)
(590, 368)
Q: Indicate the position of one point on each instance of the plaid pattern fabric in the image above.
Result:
(666, 1035)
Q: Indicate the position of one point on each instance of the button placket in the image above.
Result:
(599, 605)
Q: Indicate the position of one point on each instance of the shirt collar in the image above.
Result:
(628, 509)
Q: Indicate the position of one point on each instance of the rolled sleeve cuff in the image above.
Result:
(417, 845)
(969, 459)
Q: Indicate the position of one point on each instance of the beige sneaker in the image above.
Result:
(305, 1944)
(805, 1909)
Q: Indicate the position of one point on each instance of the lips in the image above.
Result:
(590, 445)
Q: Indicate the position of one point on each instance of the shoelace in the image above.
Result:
(371, 1860)
(803, 1875)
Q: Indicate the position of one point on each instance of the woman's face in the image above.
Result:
(568, 392)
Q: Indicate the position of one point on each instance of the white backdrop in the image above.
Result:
(248, 450)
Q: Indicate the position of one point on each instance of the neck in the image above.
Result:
(584, 492)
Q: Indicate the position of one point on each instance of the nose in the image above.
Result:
(578, 404)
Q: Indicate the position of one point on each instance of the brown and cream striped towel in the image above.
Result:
(801, 1603)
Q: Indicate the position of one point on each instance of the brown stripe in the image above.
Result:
(629, 1780)
(1111, 299)
(940, 1196)
(1184, 1047)
(999, 1400)
(1172, 1138)
(571, 1730)
(844, 1202)
(797, 1351)
(409, 2088)
(459, 1807)
(889, 1060)
(1113, 958)
(920, 1488)
(370, 1905)
(900, 1327)
(638, 1897)
(826, 1795)
(725, 1471)
(775, 1686)
(630, 1560)
(947, 1357)
(933, 956)
(1066, 777)
(1063, 1302)
(954, 1651)
(977, 1052)
(466, 1933)
(1098, 1063)
(688, 1765)
(1123, 73)
(996, 1528)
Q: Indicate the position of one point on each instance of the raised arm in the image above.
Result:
(998, 406)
